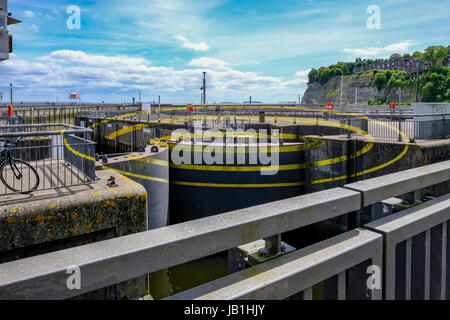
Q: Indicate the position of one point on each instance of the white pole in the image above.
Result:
(356, 96)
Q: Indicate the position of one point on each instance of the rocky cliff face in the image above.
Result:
(317, 94)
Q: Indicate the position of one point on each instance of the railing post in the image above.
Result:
(349, 123)
(273, 245)
(444, 129)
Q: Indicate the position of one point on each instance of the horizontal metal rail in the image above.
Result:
(429, 270)
(40, 125)
(16, 131)
(109, 262)
(392, 185)
(298, 271)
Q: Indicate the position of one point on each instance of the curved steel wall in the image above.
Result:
(202, 190)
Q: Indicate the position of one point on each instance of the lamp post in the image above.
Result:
(204, 90)
(159, 108)
(417, 80)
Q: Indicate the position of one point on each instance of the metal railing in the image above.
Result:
(332, 263)
(59, 156)
(116, 260)
(39, 114)
(415, 251)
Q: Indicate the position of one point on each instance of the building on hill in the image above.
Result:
(396, 64)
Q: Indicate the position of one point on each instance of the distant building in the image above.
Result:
(396, 64)
(74, 97)
(6, 40)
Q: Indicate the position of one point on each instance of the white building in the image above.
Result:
(6, 42)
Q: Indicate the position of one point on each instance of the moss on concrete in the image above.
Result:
(89, 214)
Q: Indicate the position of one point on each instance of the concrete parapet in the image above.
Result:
(52, 220)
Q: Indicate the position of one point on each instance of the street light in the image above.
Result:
(204, 89)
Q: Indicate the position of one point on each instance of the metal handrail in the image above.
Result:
(17, 133)
(128, 257)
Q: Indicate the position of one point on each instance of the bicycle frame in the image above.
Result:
(6, 157)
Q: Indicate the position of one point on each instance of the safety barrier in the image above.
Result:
(415, 251)
(116, 260)
(333, 262)
(60, 158)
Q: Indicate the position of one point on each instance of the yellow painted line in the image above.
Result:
(384, 165)
(126, 130)
(116, 118)
(156, 162)
(76, 152)
(283, 149)
(226, 185)
(376, 168)
(243, 149)
(236, 168)
(287, 167)
(140, 176)
(366, 149)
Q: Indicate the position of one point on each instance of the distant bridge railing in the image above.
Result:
(342, 259)
(37, 114)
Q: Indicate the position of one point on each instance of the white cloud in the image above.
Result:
(66, 70)
(185, 43)
(29, 14)
(56, 13)
(380, 51)
(209, 63)
(303, 74)
(82, 59)
(35, 28)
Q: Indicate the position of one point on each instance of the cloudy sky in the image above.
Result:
(262, 48)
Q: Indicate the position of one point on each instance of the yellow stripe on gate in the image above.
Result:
(225, 185)
(76, 152)
(140, 176)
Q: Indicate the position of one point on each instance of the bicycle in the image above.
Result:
(15, 173)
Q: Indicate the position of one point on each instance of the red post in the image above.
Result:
(10, 111)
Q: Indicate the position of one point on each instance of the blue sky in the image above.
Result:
(260, 48)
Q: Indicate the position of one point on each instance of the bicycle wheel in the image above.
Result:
(19, 176)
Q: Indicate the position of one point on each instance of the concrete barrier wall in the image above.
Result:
(47, 222)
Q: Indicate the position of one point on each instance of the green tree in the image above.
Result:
(434, 54)
(380, 80)
(419, 55)
(435, 89)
